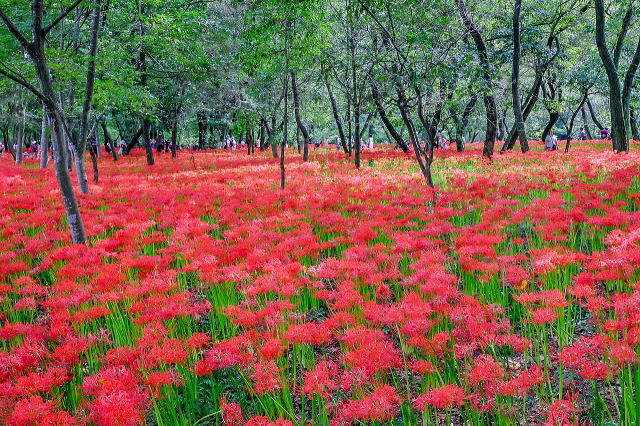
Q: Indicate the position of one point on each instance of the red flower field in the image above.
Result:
(208, 295)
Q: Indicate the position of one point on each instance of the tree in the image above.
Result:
(489, 100)
(619, 94)
(515, 78)
(36, 51)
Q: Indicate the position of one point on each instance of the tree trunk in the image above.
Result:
(462, 123)
(616, 105)
(515, 78)
(202, 129)
(142, 65)
(635, 132)
(430, 126)
(594, 118)
(627, 88)
(285, 120)
(553, 119)
(402, 103)
(296, 110)
(69, 201)
(533, 96)
(272, 134)
(573, 118)
(7, 142)
(336, 115)
(377, 98)
(44, 142)
(263, 133)
(20, 135)
(489, 100)
(81, 144)
(94, 162)
(174, 137)
(108, 141)
(81, 170)
(146, 124)
(36, 50)
(132, 143)
(585, 122)
(425, 166)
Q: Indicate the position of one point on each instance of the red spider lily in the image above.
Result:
(320, 381)
(231, 413)
(447, 396)
(264, 421)
(119, 399)
(34, 410)
(265, 377)
(210, 269)
(585, 357)
(380, 405)
(562, 412)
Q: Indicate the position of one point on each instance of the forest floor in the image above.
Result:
(208, 295)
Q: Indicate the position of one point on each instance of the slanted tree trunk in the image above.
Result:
(81, 144)
(108, 140)
(300, 124)
(635, 132)
(377, 98)
(572, 121)
(553, 119)
(133, 142)
(461, 122)
(424, 161)
(430, 126)
(7, 142)
(594, 118)
(36, 50)
(336, 115)
(489, 100)
(585, 122)
(64, 180)
(533, 95)
(515, 78)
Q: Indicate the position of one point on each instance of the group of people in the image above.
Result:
(551, 140)
(231, 143)
(31, 150)
(368, 144)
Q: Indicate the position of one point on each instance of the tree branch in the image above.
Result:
(626, 22)
(63, 15)
(25, 84)
(14, 30)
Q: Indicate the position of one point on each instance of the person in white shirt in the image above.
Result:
(551, 142)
